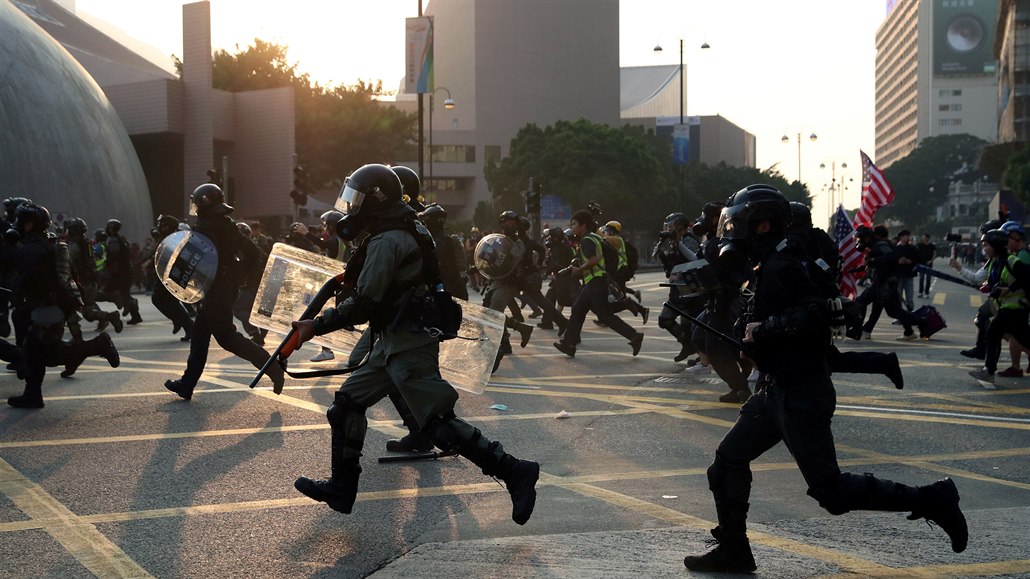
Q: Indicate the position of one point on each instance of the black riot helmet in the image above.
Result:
(998, 239)
(676, 221)
(243, 228)
(434, 217)
(99, 236)
(524, 223)
(37, 215)
(709, 218)
(555, 236)
(367, 194)
(800, 216)
(410, 183)
(330, 219)
(509, 221)
(113, 226)
(11, 205)
(992, 224)
(208, 199)
(739, 221)
(76, 227)
(167, 224)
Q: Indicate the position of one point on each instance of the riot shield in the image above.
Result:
(186, 263)
(293, 276)
(496, 256)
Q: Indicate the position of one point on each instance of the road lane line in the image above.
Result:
(975, 301)
(89, 546)
(939, 298)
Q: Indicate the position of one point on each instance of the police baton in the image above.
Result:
(725, 338)
(292, 340)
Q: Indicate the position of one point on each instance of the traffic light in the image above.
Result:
(214, 176)
(299, 194)
(533, 199)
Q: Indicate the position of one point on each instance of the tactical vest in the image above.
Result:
(598, 269)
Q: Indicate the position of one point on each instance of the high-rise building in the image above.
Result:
(935, 74)
(1012, 50)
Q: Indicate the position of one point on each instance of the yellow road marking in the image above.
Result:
(939, 298)
(88, 545)
(940, 468)
(375, 424)
(975, 300)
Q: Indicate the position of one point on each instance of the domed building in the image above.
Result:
(62, 144)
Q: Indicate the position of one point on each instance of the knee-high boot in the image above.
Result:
(519, 476)
(415, 440)
(348, 423)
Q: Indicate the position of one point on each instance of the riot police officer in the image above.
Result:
(84, 272)
(119, 272)
(449, 250)
(237, 256)
(677, 244)
(503, 290)
(44, 294)
(388, 265)
(796, 398)
(163, 300)
(881, 261)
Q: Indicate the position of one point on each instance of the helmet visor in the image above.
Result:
(732, 225)
(350, 199)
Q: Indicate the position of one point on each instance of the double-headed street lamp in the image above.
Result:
(658, 48)
(785, 139)
(837, 186)
(448, 104)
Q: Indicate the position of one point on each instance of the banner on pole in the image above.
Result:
(418, 43)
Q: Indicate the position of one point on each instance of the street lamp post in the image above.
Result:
(785, 139)
(658, 48)
(836, 188)
(448, 104)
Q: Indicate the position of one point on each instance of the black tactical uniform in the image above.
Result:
(119, 272)
(84, 272)
(882, 267)
(449, 251)
(44, 294)
(403, 357)
(788, 336)
(236, 254)
(562, 290)
(677, 245)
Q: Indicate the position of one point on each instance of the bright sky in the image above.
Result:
(775, 67)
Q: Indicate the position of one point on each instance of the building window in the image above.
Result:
(956, 107)
(453, 154)
(943, 107)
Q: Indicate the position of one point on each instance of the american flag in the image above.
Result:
(843, 233)
(876, 192)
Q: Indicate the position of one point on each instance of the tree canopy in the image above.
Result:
(629, 171)
(338, 128)
(921, 178)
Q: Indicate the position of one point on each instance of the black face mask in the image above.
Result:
(349, 227)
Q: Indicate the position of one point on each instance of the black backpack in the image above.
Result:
(632, 258)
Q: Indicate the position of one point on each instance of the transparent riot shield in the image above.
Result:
(186, 263)
(293, 276)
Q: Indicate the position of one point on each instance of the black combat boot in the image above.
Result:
(134, 312)
(74, 354)
(339, 492)
(116, 322)
(348, 423)
(524, 330)
(185, 392)
(32, 397)
(415, 440)
(730, 555)
(738, 396)
(278, 377)
(938, 503)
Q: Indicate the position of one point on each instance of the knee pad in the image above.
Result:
(341, 407)
(450, 434)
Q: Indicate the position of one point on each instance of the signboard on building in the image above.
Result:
(418, 55)
(681, 144)
(963, 37)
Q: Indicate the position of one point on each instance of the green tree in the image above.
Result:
(338, 128)
(921, 178)
(629, 170)
(1017, 174)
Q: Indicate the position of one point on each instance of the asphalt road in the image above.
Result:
(117, 477)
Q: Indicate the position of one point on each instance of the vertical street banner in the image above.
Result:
(418, 55)
(681, 144)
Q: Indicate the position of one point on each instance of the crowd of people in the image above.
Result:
(752, 283)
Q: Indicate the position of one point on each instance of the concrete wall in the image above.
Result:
(262, 159)
(198, 138)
